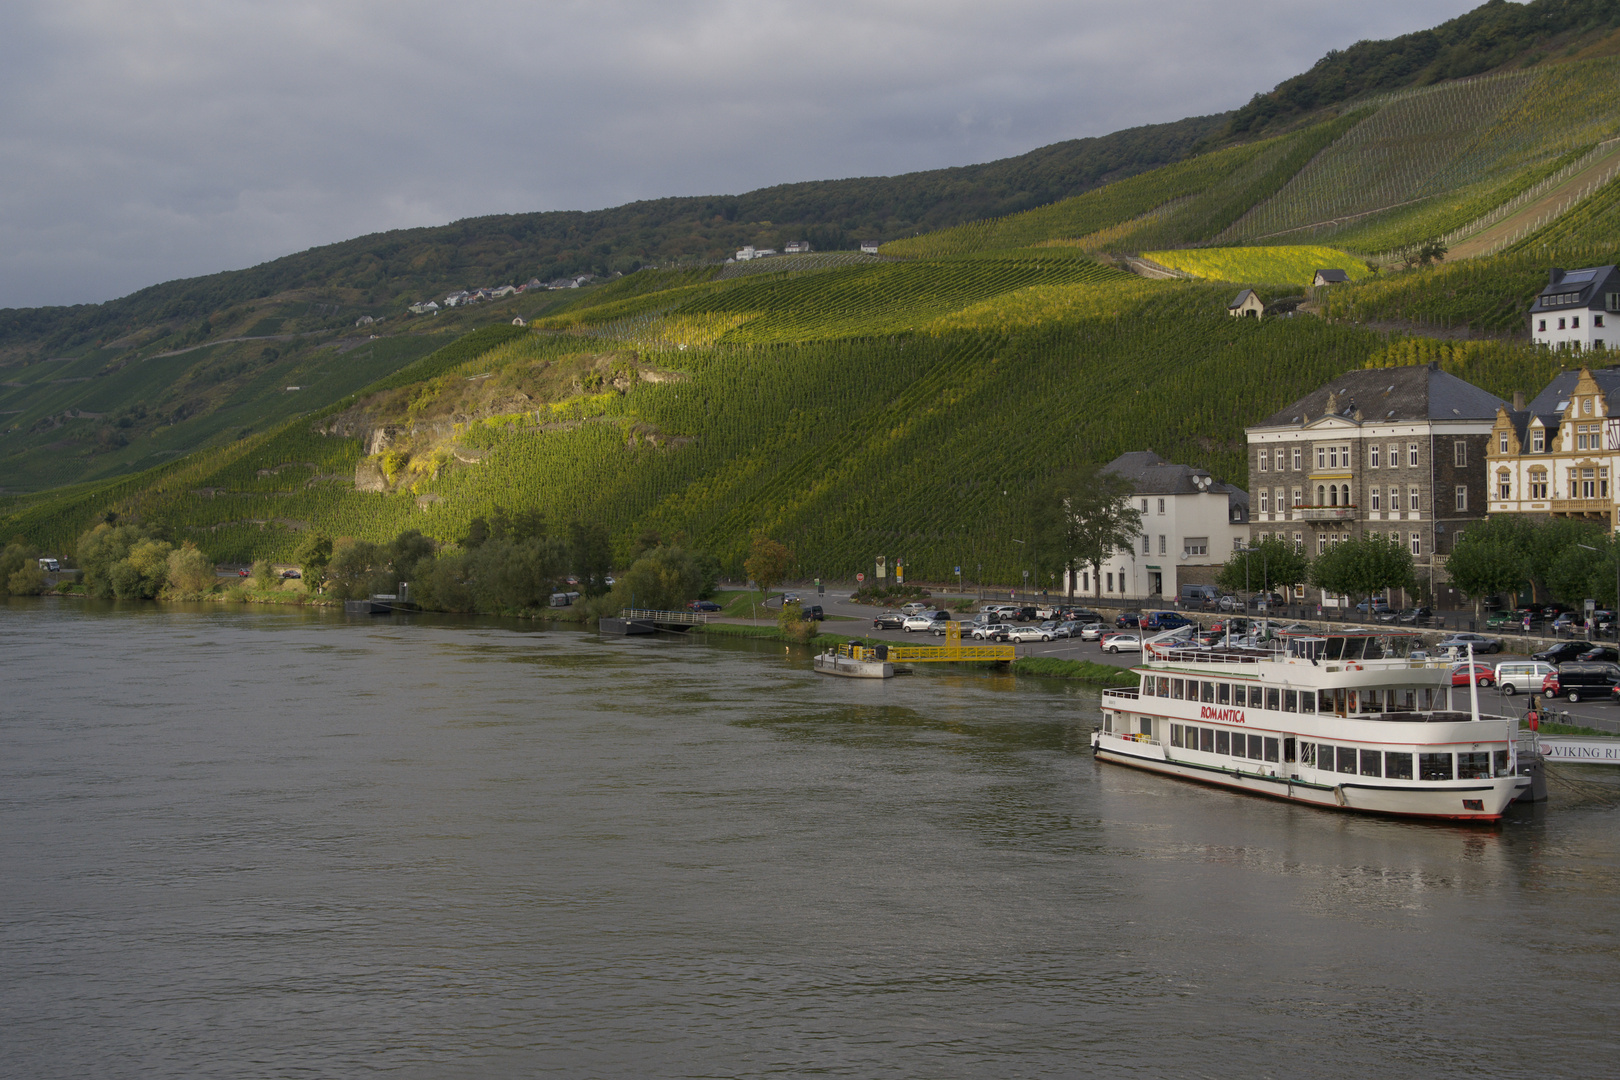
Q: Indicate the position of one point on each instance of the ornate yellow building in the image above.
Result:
(1557, 456)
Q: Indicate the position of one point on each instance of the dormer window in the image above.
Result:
(1538, 441)
(1502, 442)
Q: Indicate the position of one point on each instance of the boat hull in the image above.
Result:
(1456, 801)
(833, 664)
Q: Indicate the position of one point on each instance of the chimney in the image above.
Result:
(1555, 275)
(1518, 401)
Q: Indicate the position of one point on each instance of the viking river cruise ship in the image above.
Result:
(1349, 720)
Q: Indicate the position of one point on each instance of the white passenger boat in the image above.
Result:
(1347, 720)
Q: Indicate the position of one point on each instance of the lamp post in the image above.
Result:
(1025, 546)
(1589, 547)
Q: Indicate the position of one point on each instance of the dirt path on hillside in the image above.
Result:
(1601, 169)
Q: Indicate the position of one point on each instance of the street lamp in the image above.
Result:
(1026, 572)
(1589, 547)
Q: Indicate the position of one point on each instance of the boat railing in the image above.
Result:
(1115, 692)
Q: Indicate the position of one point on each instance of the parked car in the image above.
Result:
(913, 608)
(1575, 680)
(1083, 615)
(1461, 641)
(242, 572)
(889, 620)
(704, 605)
(1165, 620)
(1092, 631)
(1522, 676)
(1128, 620)
(1266, 601)
(1559, 653)
(812, 613)
(291, 575)
(1067, 629)
(1029, 633)
(1600, 652)
(789, 598)
(1503, 620)
(1378, 604)
(919, 621)
(992, 632)
(1229, 603)
(1481, 674)
(1116, 643)
(1414, 615)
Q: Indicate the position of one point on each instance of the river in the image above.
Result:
(284, 843)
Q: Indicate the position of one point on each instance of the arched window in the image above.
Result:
(1321, 495)
(1344, 495)
(1333, 494)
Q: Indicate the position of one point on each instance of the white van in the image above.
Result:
(1522, 676)
(50, 566)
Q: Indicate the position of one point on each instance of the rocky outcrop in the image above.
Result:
(368, 476)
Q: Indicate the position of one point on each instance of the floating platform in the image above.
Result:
(831, 663)
(619, 627)
(377, 606)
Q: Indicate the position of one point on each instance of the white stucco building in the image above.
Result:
(1191, 524)
(1577, 309)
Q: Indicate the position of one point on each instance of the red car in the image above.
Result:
(1484, 675)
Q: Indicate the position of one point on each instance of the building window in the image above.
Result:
(1411, 454)
(1110, 583)
(1299, 496)
(1459, 454)
(1394, 498)
(1296, 458)
(1575, 323)
(1613, 301)
(1265, 461)
(1333, 494)
(1462, 497)
(1603, 483)
(1265, 501)
(1504, 485)
(1299, 542)
(1344, 495)
(1538, 441)
(1372, 456)
(1561, 324)
(1586, 406)
(1321, 457)
(1538, 484)
(1501, 443)
(1597, 322)
(1162, 545)
(1541, 326)
(1144, 506)
(1375, 492)
(1161, 507)
(1394, 456)
(1344, 456)
(1321, 543)
(1195, 545)
(1321, 495)
(1417, 544)
(1333, 457)
(1411, 498)
(1588, 484)
(1147, 544)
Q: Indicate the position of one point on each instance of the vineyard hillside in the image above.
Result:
(903, 408)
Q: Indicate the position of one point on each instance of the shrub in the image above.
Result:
(189, 570)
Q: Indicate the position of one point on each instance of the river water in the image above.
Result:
(286, 844)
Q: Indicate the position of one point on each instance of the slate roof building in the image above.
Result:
(1557, 456)
(1572, 312)
(1330, 277)
(1191, 524)
(1391, 452)
(1246, 303)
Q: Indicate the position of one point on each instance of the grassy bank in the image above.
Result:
(1080, 670)
(1567, 729)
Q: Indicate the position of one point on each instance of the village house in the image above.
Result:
(1246, 304)
(364, 320)
(1387, 452)
(1571, 312)
(1556, 457)
(1329, 277)
(870, 247)
(1191, 524)
(428, 308)
(796, 247)
(503, 292)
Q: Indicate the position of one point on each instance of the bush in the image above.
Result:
(264, 575)
(790, 621)
(189, 570)
(20, 574)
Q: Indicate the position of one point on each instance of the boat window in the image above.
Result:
(1307, 701)
(1240, 744)
(1271, 748)
(1164, 686)
(1372, 763)
(1474, 766)
(1177, 689)
(1221, 740)
(1147, 727)
(1108, 721)
(1434, 766)
(1347, 759)
(1206, 740)
(1223, 694)
(1398, 766)
(1147, 685)
(1307, 754)
(1175, 734)
(1288, 749)
(1273, 698)
(1353, 647)
(1324, 757)
(1209, 693)
(1501, 763)
(1290, 701)
(1324, 702)
(1255, 747)
(1371, 701)
(1376, 649)
(1335, 648)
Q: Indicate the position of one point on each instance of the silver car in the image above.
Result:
(1029, 633)
(1093, 631)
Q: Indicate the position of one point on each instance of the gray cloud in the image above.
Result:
(142, 142)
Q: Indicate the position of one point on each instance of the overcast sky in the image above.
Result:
(144, 140)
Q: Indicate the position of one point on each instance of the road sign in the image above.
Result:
(860, 577)
(958, 569)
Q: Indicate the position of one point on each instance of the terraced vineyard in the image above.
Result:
(1255, 265)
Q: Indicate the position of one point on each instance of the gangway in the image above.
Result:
(953, 651)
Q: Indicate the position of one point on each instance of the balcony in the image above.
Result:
(1325, 513)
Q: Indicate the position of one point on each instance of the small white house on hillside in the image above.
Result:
(1246, 304)
(1572, 312)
